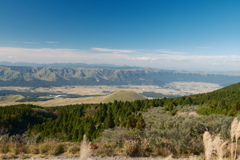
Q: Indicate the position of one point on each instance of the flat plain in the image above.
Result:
(97, 94)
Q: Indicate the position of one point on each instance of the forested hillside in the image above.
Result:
(45, 77)
(149, 127)
(69, 122)
(224, 101)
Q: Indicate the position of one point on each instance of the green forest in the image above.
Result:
(157, 126)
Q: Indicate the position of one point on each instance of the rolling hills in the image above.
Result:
(48, 76)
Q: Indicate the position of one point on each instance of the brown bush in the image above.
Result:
(58, 149)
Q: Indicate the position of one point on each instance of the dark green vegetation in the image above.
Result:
(75, 121)
(224, 101)
(37, 96)
(33, 99)
(25, 94)
(139, 128)
(157, 95)
(18, 119)
(45, 77)
(70, 123)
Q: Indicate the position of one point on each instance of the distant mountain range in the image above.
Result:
(52, 76)
(66, 65)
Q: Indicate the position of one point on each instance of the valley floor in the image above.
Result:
(96, 94)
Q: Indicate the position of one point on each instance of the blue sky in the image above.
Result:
(167, 34)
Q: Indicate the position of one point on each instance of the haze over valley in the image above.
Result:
(48, 86)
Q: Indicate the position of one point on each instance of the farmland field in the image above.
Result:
(96, 94)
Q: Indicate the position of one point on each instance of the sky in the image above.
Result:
(193, 35)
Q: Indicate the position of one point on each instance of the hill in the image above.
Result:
(224, 101)
(124, 95)
(10, 99)
(47, 76)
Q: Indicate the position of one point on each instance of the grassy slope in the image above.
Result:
(57, 101)
(9, 100)
(124, 95)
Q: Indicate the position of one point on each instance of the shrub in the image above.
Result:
(182, 134)
(132, 148)
(46, 148)
(34, 149)
(5, 148)
(73, 150)
(58, 149)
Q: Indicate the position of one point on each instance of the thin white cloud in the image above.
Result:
(168, 51)
(113, 50)
(189, 62)
(49, 55)
(145, 59)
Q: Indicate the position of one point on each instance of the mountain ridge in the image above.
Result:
(49, 76)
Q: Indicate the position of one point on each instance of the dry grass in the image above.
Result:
(73, 150)
(237, 135)
(221, 147)
(234, 126)
(66, 101)
(85, 150)
(223, 150)
(208, 145)
(216, 147)
(44, 150)
(58, 101)
(131, 147)
(124, 95)
(9, 100)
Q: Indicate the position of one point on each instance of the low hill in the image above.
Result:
(124, 95)
(9, 99)
(48, 76)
